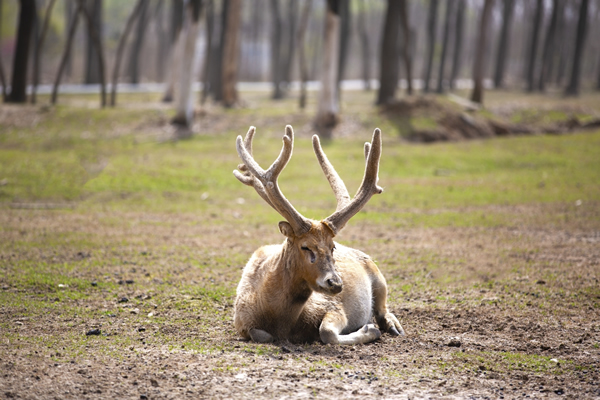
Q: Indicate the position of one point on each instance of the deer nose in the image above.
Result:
(335, 285)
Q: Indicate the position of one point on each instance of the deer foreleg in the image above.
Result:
(334, 323)
(260, 336)
(386, 320)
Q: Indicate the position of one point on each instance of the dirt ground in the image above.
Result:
(532, 332)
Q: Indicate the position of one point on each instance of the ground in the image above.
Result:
(120, 252)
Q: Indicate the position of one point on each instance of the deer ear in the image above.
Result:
(286, 229)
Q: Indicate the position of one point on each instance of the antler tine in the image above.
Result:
(265, 182)
(336, 183)
(368, 187)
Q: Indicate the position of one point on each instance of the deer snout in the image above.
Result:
(332, 284)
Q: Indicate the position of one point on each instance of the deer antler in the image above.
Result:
(347, 208)
(265, 182)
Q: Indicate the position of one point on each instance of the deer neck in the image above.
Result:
(298, 290)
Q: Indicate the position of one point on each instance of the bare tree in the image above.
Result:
(406, 48)
(276, 40)
(66, 53)
(121, 46)
(184, 101)
(502, 57)
(302, 51)
(231, 53)
(345, 17)
(138, 42)
(291, 41)
(549, 46)
(175, 55)
(431, 31)
(210, 22)
(327, 114)
(445, 45)
(533, 45)
(38, 51)
(389, 60)
(479, 64)
(27, 15)
(2, 76)
(573, 87)
(92, 58)
(458, 40)
(364, 45)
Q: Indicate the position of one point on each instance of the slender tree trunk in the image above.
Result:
(175, 50)
(502, 56)
(138, 43)
(291, 45)
(184, 103)
(458, 41)
(548, 53)
(38, 51)
(327, 114)
(94, 34)
(431, 31)
(364, 45)
(161, 38)
(389, 60)
(302, 52)
(120, 47)
(533, 46)
(445, 44)
(573, 87)
(210, 24)
(69, 15)
(231, 50)
(66, 53)
(2, 75)
(92, 59)
(345, 16)
(276, 36)
(217, 69)
(18, 89)
(406, 48)
(479, 64)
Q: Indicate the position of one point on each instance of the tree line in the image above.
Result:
(416, 45)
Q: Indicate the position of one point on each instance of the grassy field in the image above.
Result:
(490, 248)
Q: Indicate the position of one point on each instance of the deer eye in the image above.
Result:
(312, 255)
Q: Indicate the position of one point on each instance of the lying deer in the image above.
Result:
(310, 287)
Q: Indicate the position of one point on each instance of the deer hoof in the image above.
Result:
(260, 336)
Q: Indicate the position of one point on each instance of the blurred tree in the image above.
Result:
(458, 40)
(549, 46)
(18, 87)
(38, 51)
(290, 49)
(276, 50)
(66, 53)
(389, 58)
(431, 33)
(184, 102)
(502, 55)
(445, 44)
(573, 87)
(406, 47)
(69, 15)
(364, 44)
(92, 58)
(2, 75)
(121, 46)
(480, 56)
(328, 108)
(138, 42)
(345, 33)
(302, 51)
(161, 39)
(533, 45)
(231, 50)
(210, 23)
(175, 55)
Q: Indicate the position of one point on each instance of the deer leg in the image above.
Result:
(334, 322)
(386, 320)
(260, 336)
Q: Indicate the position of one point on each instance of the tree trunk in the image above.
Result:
(210, 23)
(94, 34)
(458, 40)
(389, 60)
(291, 42)
(92, 59)
(548, 53)
(18, 89)
(2, 75)
(445, 42)
(175, 50)
(161, 38)
(38, 51)
(406, 48)
(120, 47)
(184, 104)
(479, 64)
(502, 57)
(345, 17)
(276, 67)
(231, 50)
(69, 15)
(66, 53)
(573, 88)
(327, 114)
(533, 45)
(134, 59)
(431, 31)
(302, 52)
(364, 45)
(217, 68)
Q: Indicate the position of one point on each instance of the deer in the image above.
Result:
(311, 288)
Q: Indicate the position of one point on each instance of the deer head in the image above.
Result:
(310, 243)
